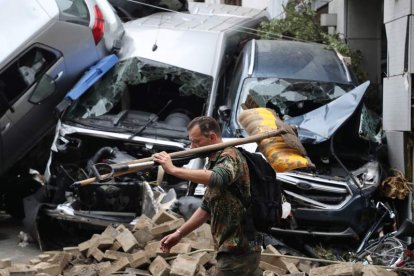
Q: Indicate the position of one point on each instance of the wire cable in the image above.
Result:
(245, 30)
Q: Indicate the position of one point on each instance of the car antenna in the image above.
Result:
(155, 46)
(149, 121)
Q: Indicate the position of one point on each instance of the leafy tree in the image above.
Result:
(300, 23)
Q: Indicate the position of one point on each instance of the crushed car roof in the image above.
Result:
(178, 38)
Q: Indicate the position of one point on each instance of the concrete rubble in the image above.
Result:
(135, 250)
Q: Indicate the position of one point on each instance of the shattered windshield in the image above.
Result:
(146, 86)
(289, 98)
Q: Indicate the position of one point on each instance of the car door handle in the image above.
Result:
(57, 77)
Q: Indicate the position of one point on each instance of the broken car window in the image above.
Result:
(290, 98)
(144, 85)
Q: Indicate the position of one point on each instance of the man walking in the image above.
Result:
(226, 170)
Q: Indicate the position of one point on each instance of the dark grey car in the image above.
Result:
(46, 47)
(309, 85)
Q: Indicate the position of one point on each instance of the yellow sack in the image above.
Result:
(283, 152)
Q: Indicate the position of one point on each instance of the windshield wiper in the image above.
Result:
(149, 121)
(120, 116)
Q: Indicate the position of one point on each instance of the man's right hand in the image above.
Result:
(164, 159)
(169, 241)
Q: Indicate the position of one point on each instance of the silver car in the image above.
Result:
(47, 45)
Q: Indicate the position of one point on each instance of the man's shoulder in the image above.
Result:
(231, 151)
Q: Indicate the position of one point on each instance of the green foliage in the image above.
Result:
(300, 23)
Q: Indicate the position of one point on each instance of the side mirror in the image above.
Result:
(224, 113)
(44, 88)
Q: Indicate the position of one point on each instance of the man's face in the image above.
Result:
(197, 139)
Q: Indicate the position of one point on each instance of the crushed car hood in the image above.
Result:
(320, 124)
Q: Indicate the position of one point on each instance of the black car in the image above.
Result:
(309, 85)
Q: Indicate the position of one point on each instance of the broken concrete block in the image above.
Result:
(115, 267)
(138, 272)
(200, 244)
(34, 261)
(159, 267)
(202, 258)
(201, 271)
(268, 273)
(273, 260)
(105, 242)
(100, 242)
(21, 270)
(304, 266)
(96, 253)
(370, 270)
(51, 269)
(162, 217)
(184, 265)
(115, 255)
(337, 269)
(292, 268)
(5, 263)
(62, 259)
(167, 226)
(272, 250)
(74, 250)
(139, 259)
(204, 231)
(87, 270)
(181, 248)
(110, 232)
(142, 222)
(127, 240)
(84, 246)
(44, 257)
(115, 246)
(143, 236)
(277, 270)
(152, 249)
(120, 228)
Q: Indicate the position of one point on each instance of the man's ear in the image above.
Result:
(213, 136)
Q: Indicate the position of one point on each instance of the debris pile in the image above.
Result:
(135, 250)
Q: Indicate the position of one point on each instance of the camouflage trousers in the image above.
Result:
(229, 264)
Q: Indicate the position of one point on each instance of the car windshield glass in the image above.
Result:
(146, 86)
(288, 97)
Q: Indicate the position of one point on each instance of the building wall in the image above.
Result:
(360, 23)
(274, 7)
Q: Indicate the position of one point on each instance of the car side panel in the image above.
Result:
(29, 122)
(75, 42)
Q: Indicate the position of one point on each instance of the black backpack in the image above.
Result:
(265, 208)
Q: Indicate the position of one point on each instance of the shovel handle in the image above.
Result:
(145, 163)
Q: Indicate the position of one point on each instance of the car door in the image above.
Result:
(31, 83)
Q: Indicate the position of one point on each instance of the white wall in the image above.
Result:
(274, 7)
